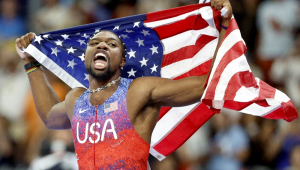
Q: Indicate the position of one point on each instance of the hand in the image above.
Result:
(22, 43)
(219, 4)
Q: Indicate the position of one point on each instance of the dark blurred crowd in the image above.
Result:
(229, 141)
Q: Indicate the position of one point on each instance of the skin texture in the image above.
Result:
(145, 95)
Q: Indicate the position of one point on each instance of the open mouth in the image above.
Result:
(100, 59)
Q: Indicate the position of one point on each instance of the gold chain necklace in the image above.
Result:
(104, 87)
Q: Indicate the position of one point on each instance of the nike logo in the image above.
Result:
(81, 111)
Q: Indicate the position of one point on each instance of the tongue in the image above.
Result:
(100, 64)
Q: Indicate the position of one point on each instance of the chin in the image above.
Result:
(106, 74)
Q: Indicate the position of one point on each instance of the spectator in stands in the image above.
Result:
(11, 24)
(277, 20)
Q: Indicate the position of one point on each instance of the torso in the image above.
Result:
(112, 129)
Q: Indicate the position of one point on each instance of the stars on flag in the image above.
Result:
(128, 31)
(71, 50)
(117, 27)
(97, 30)
(71, 64)
(65, 36)
(38, 39)
(140, 42)
(82, 57)
(143, 62)
(86, 77)
(136, 24)
(154, 49)
(131, 73)
(85, 36)
(58, 42)
(68, 50)
(81, 42)
(55, 51)
(154, 68)
(145, 32)
(131, 53)
(124, 36)
(46, 36)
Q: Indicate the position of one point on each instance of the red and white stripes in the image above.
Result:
(232, 85)
(189, 39)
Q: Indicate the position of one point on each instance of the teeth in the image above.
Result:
(100, 54)
(99, 64)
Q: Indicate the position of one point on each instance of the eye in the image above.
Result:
(112, 44)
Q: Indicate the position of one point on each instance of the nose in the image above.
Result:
(102, 45)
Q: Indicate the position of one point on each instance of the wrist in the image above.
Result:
(32, 66)
(29, 60)
(225, 22)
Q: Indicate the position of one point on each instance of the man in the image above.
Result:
(113, 120)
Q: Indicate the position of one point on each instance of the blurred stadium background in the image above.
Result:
(229, 141)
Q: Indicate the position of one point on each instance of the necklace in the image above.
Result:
(104, 87)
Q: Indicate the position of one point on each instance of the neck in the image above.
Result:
(100, 94)
(94, 83)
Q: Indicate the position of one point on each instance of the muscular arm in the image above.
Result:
(50, 109)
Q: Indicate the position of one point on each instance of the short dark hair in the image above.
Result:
(122, 42)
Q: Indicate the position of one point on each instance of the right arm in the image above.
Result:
(50, 109)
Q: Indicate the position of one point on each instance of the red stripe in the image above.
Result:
(169, 13)
(266, 91)
(195, 22)
(186, 52)
(184, 130)
(197, 71)
(238, 80)
(290, 111)
(287, 112)
(163, 111)
(236, 51)
(232, 26)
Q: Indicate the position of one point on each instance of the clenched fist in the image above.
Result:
(22, 43)
(219, 4)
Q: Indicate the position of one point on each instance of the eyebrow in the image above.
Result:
(96, 38)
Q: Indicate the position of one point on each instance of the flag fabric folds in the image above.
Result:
(174, 44)
(233, 86)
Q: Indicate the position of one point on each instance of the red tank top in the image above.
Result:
(104, 137)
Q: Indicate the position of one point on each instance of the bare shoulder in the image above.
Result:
(76, 92)
(146, 83)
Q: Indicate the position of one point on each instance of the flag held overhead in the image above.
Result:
(174, 43)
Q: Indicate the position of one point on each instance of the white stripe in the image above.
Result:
(237, 65)
(245, 94)
(170, 20)
(228, 42)
(169, 121)
(205, 54)
(185, 39)
(257, 110)
(156, 154)
(279, 96)
(52, 66)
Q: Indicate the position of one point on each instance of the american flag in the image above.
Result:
(111, 107)
(174, 43)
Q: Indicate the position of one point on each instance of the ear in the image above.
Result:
(123, 61)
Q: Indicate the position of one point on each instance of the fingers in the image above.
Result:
(25, 40)
(18, 43)
(219, 4)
